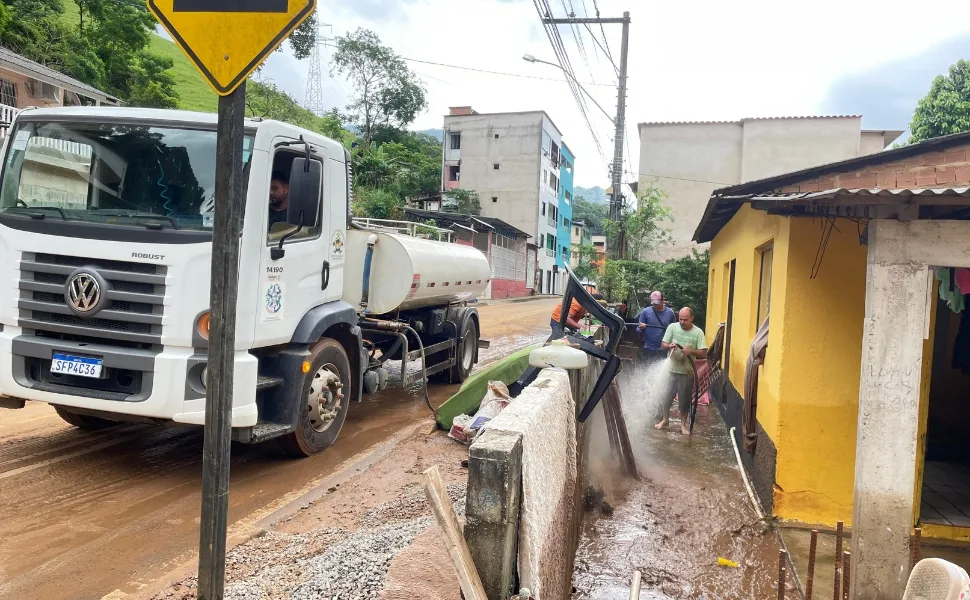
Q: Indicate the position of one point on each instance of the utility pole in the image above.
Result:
(616, 171)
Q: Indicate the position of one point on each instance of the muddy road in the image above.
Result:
(84, 515)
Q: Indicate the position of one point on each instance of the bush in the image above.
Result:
(376, 204)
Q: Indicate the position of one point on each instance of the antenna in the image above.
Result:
(313, 101)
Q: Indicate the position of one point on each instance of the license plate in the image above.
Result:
(81, 366)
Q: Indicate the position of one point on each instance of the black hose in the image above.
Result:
(424, 370)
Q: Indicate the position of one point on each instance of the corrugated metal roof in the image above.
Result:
(39, 71)
(832, 193)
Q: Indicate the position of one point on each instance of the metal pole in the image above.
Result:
(222, 341)
(616, 202)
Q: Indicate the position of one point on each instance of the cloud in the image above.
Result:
(886, 94)
(377, 11)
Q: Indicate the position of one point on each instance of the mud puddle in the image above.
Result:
(689, 509)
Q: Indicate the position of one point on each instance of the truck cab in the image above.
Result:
(106, 219)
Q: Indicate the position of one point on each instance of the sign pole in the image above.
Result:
(222, 340)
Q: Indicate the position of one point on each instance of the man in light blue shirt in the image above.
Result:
(654, 321)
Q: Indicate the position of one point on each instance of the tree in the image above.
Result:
(682, 280)
(376, 204)
(463, 202)
(154, 84)
(591, 213)
(585, 265)
(642, 228)
(387, 92)
(946, 108)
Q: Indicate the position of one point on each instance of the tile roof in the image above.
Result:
(39, 71)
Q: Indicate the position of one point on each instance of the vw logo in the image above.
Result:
(83, 292)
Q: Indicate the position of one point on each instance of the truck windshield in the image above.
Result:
(129, 175)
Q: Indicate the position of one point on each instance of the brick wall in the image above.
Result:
(949, 168)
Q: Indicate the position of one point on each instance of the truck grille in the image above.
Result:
(132, 317)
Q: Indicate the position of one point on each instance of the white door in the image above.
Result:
(291, 285)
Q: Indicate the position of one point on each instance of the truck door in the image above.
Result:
(297, 281)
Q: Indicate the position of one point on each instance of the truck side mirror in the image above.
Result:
(304, 197)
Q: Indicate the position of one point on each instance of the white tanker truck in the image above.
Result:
(106, 221)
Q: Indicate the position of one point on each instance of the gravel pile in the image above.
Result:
(333, 564)
(411, 504)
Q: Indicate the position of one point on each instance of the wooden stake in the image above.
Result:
(917, 535)
(444, 512)
(846, 556)
(836, 594)
(635, 586)
(813, 546)
(782, 555)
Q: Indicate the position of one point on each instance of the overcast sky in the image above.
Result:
(701, 60)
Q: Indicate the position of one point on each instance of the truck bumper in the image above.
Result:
(169, 384)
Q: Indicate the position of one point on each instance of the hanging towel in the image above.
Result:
(963, 280)
(949, 291)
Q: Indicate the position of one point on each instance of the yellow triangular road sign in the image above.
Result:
(227, 39)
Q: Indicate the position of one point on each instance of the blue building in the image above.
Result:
(567, 165)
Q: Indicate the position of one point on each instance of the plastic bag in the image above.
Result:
(465, 429)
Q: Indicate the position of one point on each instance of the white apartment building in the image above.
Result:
(512, 161)
(689, 160)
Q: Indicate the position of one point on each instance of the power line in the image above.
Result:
(638, 175)
(500, 73)
(603, 31)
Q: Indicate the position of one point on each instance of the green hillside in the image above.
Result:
(194, 92)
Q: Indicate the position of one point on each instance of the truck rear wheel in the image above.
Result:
(85, 422)
(325, 394)
(465, 353)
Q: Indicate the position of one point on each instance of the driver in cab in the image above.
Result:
(279, 191)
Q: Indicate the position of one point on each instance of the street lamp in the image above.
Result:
(532, 59)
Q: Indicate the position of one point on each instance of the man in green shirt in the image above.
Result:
(685, 343)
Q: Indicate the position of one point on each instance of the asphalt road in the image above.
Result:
(84, 515)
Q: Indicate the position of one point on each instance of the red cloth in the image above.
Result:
(962, 277)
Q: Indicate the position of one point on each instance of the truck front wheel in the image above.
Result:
(325, 395)
(85, 422)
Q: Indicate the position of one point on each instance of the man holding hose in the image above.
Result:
(685, 343)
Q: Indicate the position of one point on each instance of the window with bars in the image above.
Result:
(8, 93)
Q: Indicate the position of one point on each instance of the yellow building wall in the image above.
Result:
(808, 392)
(821, 322)
(741, 241)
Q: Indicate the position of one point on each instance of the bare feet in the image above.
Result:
(661, 425)
(684, 429)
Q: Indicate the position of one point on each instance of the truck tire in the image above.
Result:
(325, 395)
(86, 422)
(465, 353)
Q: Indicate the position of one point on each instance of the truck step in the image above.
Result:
(267, 431)
(264, 382)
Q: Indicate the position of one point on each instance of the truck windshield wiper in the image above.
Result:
(39, 215)
(146, 216)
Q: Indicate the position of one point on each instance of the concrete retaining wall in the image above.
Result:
(524, 504)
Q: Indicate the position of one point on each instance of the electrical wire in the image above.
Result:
(603, 31)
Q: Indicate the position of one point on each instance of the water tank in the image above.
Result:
(408, 272)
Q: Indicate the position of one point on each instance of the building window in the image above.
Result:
(569, 197)
(495, 166)
(565, 222)
(543, 209)
(494, 198)
(455, 141)
(8, 93)
(496, 136)
(454, 173)
(764, 285)
(554, 182)
(550, 242)
(542, 240)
